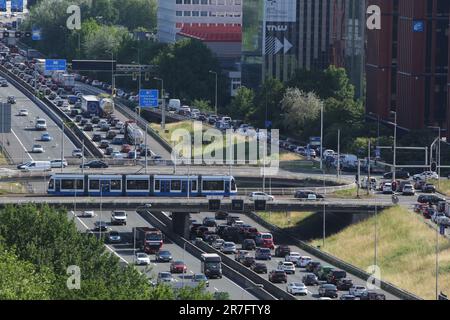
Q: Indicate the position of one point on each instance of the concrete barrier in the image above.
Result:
(389, 287)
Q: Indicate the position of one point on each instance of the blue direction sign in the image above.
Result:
(16, 5)
(148, 98)
(3, 5)
(36, 34)
(55, 65)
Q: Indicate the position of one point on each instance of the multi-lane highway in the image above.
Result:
(125, 252)
(23, 135)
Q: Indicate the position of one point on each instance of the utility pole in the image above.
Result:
(395, 146)
(368, 170)
(215, 73)
(339, 154)
(321, 135)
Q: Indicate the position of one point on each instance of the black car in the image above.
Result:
(109, 151)
(347, 297)
(344, 284)
(88, 127)
(210, 238)
(104, 144)
(277, 276)
(163, 256)
(310, 279)
(404, 175)
(209, 222)
(11, 100)
(100, 226)
(95, 120)
(429, 198)
(306, 194)
(372, 295)
(248, 261)
(328, 290)
(221, 215)
(97, 164)
(220, 228)
(117, 141)
(97, 137)
(248, 244)
(232, 219)
(334, 276)
(429, 188)
(111, 134)
(259, 267)
(83, 122)
(312, 265)
(282, 251)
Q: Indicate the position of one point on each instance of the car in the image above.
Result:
(200, 278)
(210, 238)
(240, 255)
(257, 195)
(443, 221)
(429, 198)
(292, 257)
(209, 222)
(344, 284)
(96, 164)
(109, 151)
(231, 219)
(221, 215)
(23, 112)
(323, 271)
(100, 226)
(263, 254)
(328, 290)
(118, 141)
(310, 279)
(163, 256)
(37, 148)
(164, 277)
(228, 248)
(335, 275)
(41, 124)
(265, 240)
(408, 190)
(248, 261)
(312, 266)
(77, 153)
(218, 243)
(95, 120)
(97, 137)
(387, 188)
(426, 175)
(88, 127)
(83, 122)
(428, 188)
(119, 217)
(347, 297)
(306, 194)
(114, 237)
(286, 266)
(372, 295)
(178, 267)
(295, 288)
(125, 148)
(46, 137)
(303, 261)
(104, 144)
(357, 290)
(282, 251)
(11, 100)
(142, 258)
(111, 134)
(89, 213)
(116, 155)
(259, 267)
(58, 163)
(277, 276)
(248, 244)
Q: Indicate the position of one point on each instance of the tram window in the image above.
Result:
(175, 185)
(213, 185)
(116, 185)
(94, 184)
(233, 185)
(67, 184)
(137, 184)
(80, 184)
(194, 185)
(157, 185)
(51, 184)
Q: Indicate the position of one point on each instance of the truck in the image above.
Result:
(40, 67)
(211, 265)
(133, 134)
(94, 106)
(150, 240)
(64, 80)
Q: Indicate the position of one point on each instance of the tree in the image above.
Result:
(242, 106)
(202, 105)
(102, 41)
(106, 10)
(137, 13)
(299, 108)
(268, 102)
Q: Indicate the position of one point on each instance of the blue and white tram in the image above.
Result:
(141, 185)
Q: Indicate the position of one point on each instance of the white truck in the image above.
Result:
(64, 80)
(133, 133)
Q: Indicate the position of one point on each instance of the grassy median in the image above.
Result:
(443, 185)
(3, 160)
(12, 188)
(406, 250)
(285, 219)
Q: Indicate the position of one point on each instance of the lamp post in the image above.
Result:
(395, 145)
(163, 107)
(321, 135)
(438, 153)
(215, 106)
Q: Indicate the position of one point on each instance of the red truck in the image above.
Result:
(150, 240)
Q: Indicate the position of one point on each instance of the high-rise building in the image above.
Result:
(408, 63)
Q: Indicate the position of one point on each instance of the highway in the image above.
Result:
(23, 134)
(272, 264)
(125, 251)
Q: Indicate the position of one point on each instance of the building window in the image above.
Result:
(204, 13)
(204, 1)
(187, 1)
(195, 13)
(195, 1)
(187, 13)
(179, 13)
(179, 2)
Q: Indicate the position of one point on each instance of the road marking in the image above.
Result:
(20, 142)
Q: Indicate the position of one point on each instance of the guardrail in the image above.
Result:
(75, 134)
(286, 234)
(163, 223)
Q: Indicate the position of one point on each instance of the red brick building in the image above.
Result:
(407, 63)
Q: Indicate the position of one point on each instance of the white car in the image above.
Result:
(426, 175)
(165, 277)
(218, 244)
(292, 257)
(77, 153)
(37, 148)
(436, 216)
(443, 220)
(286, 266)
(117, 155)
(228, 248)
(23, 112)
(58, 163)
(387, 187)
(357, 290)
(408, 190)
(89, 213)
(297, 288)
(303, 261)
(257, 195)
(142, 258)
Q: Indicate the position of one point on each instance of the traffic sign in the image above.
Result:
(36, 34)
(55, 65)
(3, 5)
(16, 5)
(434, 166)
(148, 98)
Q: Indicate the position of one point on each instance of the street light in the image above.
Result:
(395, 144)
(163, 107)
(438, 152)
(321, 135)
(215, 73)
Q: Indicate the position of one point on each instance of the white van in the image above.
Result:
(174, 104)
(37, 166)
(41, 124)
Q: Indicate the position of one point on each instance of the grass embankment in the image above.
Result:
(284, 219)
(406, 251)
(351, 193)
(443, 185)
(11, 188)
(3, 160)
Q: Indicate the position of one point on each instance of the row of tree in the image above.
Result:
(39, 243)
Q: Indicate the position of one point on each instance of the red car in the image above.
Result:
(178, 267)
(428, 212)
(125, 148)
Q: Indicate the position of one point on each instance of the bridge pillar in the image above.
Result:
(180, 223)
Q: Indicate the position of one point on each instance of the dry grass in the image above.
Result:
(283, 219)
(351, 193)
(3, 160)
(12, 188)
(406, 251)
(443, 185)
(290, 156)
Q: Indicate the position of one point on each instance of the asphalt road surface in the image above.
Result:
(125, 252)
